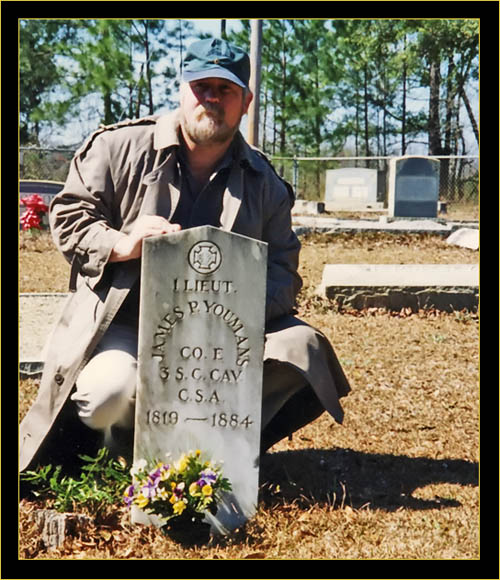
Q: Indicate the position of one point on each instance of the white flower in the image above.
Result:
(138, 466)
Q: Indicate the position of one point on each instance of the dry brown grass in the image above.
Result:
(41, 267)
(398, 480)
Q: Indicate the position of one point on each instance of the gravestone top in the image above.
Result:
(201, 343)
(413, 187)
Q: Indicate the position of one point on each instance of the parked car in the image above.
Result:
(46, 189)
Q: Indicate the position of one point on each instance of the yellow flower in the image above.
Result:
(142, 501)
(172, 499)
(182, 463)
(197, 453)
(206, 489)
(194, 489)
(179, 507)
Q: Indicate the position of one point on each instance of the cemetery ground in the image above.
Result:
(399, 478)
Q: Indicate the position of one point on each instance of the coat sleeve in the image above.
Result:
(283, 280)
(81, 215)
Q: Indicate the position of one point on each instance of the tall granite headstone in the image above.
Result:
(413, 187)
(201, 343)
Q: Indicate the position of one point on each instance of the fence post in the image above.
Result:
(295, 174)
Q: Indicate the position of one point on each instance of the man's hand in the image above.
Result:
(130, 246)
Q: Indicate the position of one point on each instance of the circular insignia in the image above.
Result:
(205, 257)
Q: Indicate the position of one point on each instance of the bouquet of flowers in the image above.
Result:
(36, 207)
(188, 487)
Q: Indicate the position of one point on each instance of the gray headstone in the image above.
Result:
(201, 343)
(413, 187)
(351, 188)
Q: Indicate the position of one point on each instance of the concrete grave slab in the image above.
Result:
(395, 286)
(38, 313)
(308, 224)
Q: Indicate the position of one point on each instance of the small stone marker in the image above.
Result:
(305, 207)
(413, 187)
(201, 343)
(465, 238)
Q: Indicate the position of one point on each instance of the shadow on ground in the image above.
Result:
(340, 477)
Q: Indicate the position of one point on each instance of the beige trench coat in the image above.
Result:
(131, 169)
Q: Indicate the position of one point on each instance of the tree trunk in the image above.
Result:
(55, 527)
(403, 110)
(471, 114)
(148, 70)
(367, 133)
(281, 168)
(356, 133)
(108, 108)
(434, 124)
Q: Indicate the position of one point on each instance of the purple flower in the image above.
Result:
(207, 477)
(155, 476)
(149, 489)
(128, 496)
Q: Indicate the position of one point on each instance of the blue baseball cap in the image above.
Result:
(215, 57)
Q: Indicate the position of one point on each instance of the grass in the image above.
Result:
(398, 480)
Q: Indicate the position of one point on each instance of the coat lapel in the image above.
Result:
(163, 189)
(231, 200)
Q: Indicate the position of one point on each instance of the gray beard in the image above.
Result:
(209, 129)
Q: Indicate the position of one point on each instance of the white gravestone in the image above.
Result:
(413, 187)
(351, 188)
(201, 344)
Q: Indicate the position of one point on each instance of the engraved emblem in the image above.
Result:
(205, 257)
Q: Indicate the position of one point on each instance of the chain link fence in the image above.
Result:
(459, 175)
(44, 164)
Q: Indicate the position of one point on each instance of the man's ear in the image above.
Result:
(248, 100)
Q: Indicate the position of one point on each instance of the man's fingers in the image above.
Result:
(153, 225)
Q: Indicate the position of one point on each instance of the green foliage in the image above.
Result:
(327, 85)
(104, 69)
(40, 75)
(101, 483)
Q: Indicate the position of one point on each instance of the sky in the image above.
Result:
(212, 25)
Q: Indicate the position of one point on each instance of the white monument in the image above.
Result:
(201, 343)
(351, 188)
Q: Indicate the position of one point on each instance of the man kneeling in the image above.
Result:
(158, 175)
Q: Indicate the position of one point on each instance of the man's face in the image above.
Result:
(211, 109)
